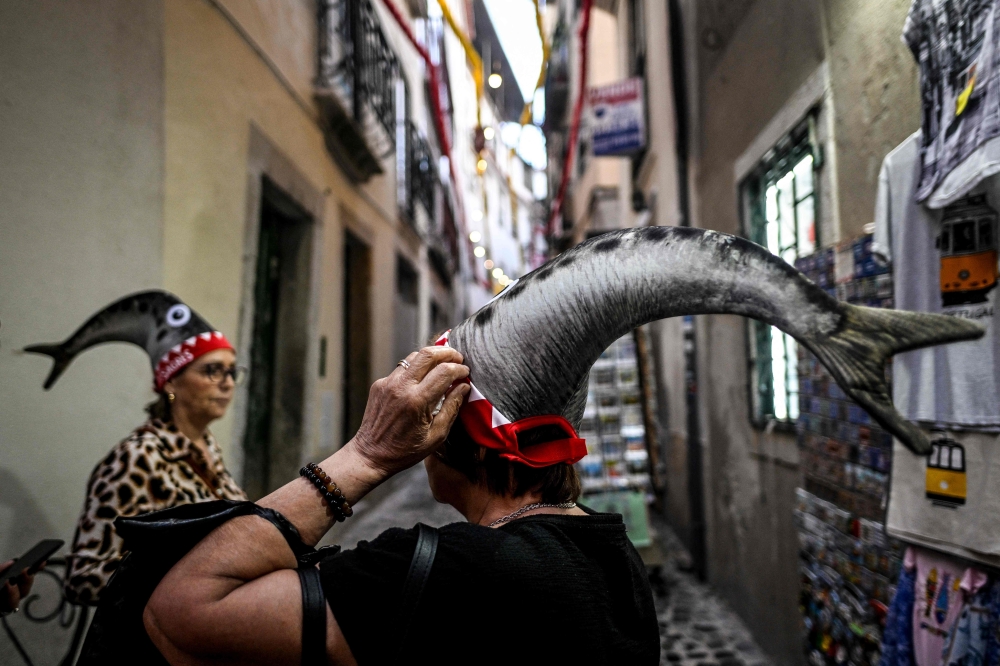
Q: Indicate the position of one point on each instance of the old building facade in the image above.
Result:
(276, 165)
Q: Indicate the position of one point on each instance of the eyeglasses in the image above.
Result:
(215, 372)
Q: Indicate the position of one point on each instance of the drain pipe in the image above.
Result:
(696, 491)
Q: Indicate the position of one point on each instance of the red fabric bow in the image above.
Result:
(488, 427)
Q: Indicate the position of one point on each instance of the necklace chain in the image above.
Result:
(524, 509)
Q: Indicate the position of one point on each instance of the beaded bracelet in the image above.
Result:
(333, 495)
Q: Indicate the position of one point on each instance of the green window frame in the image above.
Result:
(780, 201)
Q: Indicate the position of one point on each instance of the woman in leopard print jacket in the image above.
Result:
(172, 459)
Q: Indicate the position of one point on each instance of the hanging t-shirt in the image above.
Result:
(973, 640)
(957, 47)
(948, 502)
(897, 639)
(937, 603)
(946, 262)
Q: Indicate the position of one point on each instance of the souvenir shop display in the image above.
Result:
(615, 472)
(942, 261)
(945, 261)
(944, 613)
(613, 424)
(866, 598)
(845, 455)
(956, 46)
(849, 566)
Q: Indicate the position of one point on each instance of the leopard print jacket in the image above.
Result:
(156, 467)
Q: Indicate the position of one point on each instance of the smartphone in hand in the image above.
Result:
(40, 552)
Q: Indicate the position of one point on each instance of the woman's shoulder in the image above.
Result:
(475, 539)
(405, 539)
(140, 444)
(155, 436)
(393, 549)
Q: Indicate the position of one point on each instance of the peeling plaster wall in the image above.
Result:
(876, 91)
(749, 476)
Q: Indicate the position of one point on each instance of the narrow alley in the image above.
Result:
(724, 271)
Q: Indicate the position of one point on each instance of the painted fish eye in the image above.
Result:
(178, 315)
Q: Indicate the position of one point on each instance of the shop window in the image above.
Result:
(780, 199)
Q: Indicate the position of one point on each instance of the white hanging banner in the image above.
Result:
(618, 118)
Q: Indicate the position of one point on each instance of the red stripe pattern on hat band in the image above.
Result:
(488, 427)
(180, 356)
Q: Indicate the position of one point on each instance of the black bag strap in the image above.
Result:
(416, 579)
(288, 531)
(313, 618)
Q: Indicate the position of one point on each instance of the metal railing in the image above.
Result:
(357, 63)
(420, 172)
(358, 67)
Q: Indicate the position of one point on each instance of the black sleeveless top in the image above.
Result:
(545, 589)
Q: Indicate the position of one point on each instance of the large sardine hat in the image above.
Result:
(530, 350)
(172, 334)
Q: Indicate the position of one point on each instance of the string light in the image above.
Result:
(488, 133)
(497, 272)
(481, 165)
(488, 264)
(475, 236)
(480, 251)
(495, 80)
(477, 215)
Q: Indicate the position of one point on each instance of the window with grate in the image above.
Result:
(781, 201)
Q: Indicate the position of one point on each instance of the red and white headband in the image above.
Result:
(488, 427)
(179, 356)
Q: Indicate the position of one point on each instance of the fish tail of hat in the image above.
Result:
(60, 360)
(857, 351)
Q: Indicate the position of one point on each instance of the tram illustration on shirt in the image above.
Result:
(945, 481)
(968, 247)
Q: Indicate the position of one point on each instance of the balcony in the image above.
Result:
(364, 100)
(358, 87)
(421, 176)
(443, 245)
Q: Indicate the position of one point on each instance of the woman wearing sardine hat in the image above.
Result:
(530, 578)
(172, 458)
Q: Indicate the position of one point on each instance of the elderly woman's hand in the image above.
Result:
(400, 427)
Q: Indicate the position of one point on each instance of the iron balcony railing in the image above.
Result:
(362, 92)
(360, 84)
(421, 173)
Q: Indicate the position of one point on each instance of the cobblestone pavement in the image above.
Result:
(696, 627)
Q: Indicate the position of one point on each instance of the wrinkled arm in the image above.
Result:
(235, 598)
